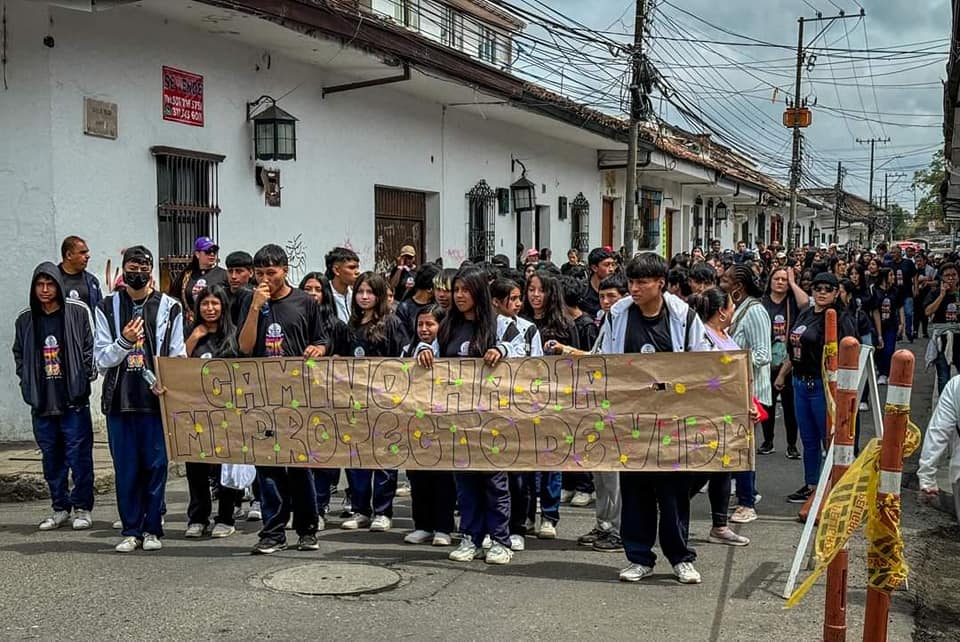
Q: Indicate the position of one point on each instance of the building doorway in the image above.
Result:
(399, 219)
(606, 223)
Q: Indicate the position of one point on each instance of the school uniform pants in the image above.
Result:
(201, 503)
(885, 354)
(66, 447)
(655, 503)
(484, 506)
(546, 487)
(372, 491)
(609, 503)
(323, 480)
(520, 498)
(433, 496)
(283, 490)
(578, 482)
(789, 416)
(140, 467)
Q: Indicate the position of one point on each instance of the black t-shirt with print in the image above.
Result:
(903, 273)
(647, 335)
(390, 344)
(888, 304)
(807, 340)
(407, 312)
(53, 388)
(404, 283)
(133, 392)
(75, 286)
(287, 326)
(947, 311)
(459, 343)
(200, 279)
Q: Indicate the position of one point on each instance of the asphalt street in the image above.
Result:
(68, 585)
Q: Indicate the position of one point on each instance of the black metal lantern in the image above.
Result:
(797, 230)
(274, 131)
(523, 192)
(720, 211)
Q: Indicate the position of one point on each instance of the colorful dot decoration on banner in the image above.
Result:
(518, 389)
(396, 399)
(726, 359)
(598, 425)
(726, 460)
(310, 363)
(557, 408)
(568, 390)
(217, 391)
(504, 403)
(203, 455)
(205, 371)
(635, 434)
(395, 449)
(218, 449)
(453, 428)
(357, 405)
(568, 439)
(315, 421)
(597, 375)
(458, 382)
(346, 438)
(224, 424)
(491, 379)
(235, 366)
(417, 434)
(325, 435)
(404, 367)
(244, 449)
(680, 389)
(691, 421)
(666, 440)
(198, 428)
(605, 404)
(728, 419)
(276, 448)
(228, 405)
(591, 438)
(301, 457)
(420, 414)
(714, 384)
(463, 441)
(624, 459)
(495, 450)
(538, 382)
(495, 432)
(294, 404)
(536, 421)
(714, 444)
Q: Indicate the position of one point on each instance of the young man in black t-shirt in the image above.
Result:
(53, 352)
(602, 263)
(650, 321)
(134, 325)
(942, 306)
(281, 321)
(239, 277)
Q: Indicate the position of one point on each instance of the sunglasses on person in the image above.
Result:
(824, 289)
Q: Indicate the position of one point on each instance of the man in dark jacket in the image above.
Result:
(53, 351)
(77, 282)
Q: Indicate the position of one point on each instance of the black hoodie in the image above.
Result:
(69, 359)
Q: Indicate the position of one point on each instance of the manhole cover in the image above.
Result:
(332, 579)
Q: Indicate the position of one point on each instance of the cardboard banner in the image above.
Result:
(650, 412)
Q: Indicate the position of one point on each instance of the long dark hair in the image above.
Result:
(708, 303)
(328, 307)
(553, 325)
(373, 331)
(484, 337)
(225, 338)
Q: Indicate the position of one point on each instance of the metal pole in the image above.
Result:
(636, 112)
(836, 204)
(795, 157)
(871, 224)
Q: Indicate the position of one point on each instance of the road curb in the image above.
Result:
(29, 487)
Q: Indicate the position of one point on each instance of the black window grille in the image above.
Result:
(580, 224)
(482, 203)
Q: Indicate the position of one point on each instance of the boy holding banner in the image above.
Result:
(650, 321)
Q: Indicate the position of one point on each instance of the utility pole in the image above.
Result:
(837, 203)
(797, 116)
(886, 197)
(872, 223)
(640, 85)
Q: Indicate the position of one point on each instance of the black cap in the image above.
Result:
(239, 259)
(826, 277)
(500, 261)
(138, 254)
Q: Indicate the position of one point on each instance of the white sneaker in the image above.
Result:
(55, 521)
(517, 543)
(882, 381)
(321, 523)
(487, 543)
(465, 552)
(418, 536)
(128, 545)
(254, 514)
(548, 530)
(194, 530)
(403, 489)
(381, 524)
(743, 515)
(581, 499)
(151, 542)
(223, 530)
(356, 522)
(442, 539)
(864, 406)
(635, 573)
(117, 525)
(499, 554)
(82, 520)
(686, 574)
(566, 496)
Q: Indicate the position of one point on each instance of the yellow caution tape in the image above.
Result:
(853, 498)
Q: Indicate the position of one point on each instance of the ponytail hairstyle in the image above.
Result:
(485, 337)
(708, 303)
(745, 276)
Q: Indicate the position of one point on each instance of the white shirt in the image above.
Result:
(343, 304)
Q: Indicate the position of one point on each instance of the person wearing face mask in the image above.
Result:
(202, 272)
(133, 326)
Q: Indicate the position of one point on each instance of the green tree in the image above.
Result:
(899, 222)
(927, 183)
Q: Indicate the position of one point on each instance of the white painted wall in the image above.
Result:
(57, 181)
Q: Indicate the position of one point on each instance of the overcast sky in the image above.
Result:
(903, 88)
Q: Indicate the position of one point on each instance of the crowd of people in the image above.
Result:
(764, 300)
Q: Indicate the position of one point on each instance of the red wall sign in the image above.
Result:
(182, 97)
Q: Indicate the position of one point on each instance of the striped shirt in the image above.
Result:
(751, 330)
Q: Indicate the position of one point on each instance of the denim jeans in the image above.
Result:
(908, 318)
(547, 487)
(943, 367)
(372, 491)
(810, 404)
(282, 490)
(66, 446)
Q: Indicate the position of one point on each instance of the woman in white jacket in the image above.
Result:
(943, 433)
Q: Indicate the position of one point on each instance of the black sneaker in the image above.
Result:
(766, 449)
(801, 496)
(792, 452)
(308, 543)
(591, 538)
(609, 543)
(268, 546)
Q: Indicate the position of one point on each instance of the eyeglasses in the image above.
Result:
(210, 252)
(824, 289)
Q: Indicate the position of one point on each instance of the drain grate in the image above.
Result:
(323, 578)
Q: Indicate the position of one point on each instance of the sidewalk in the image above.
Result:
(21, 474)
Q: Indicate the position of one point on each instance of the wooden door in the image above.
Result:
(606, 224)
(668, 250)
(399, 219)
